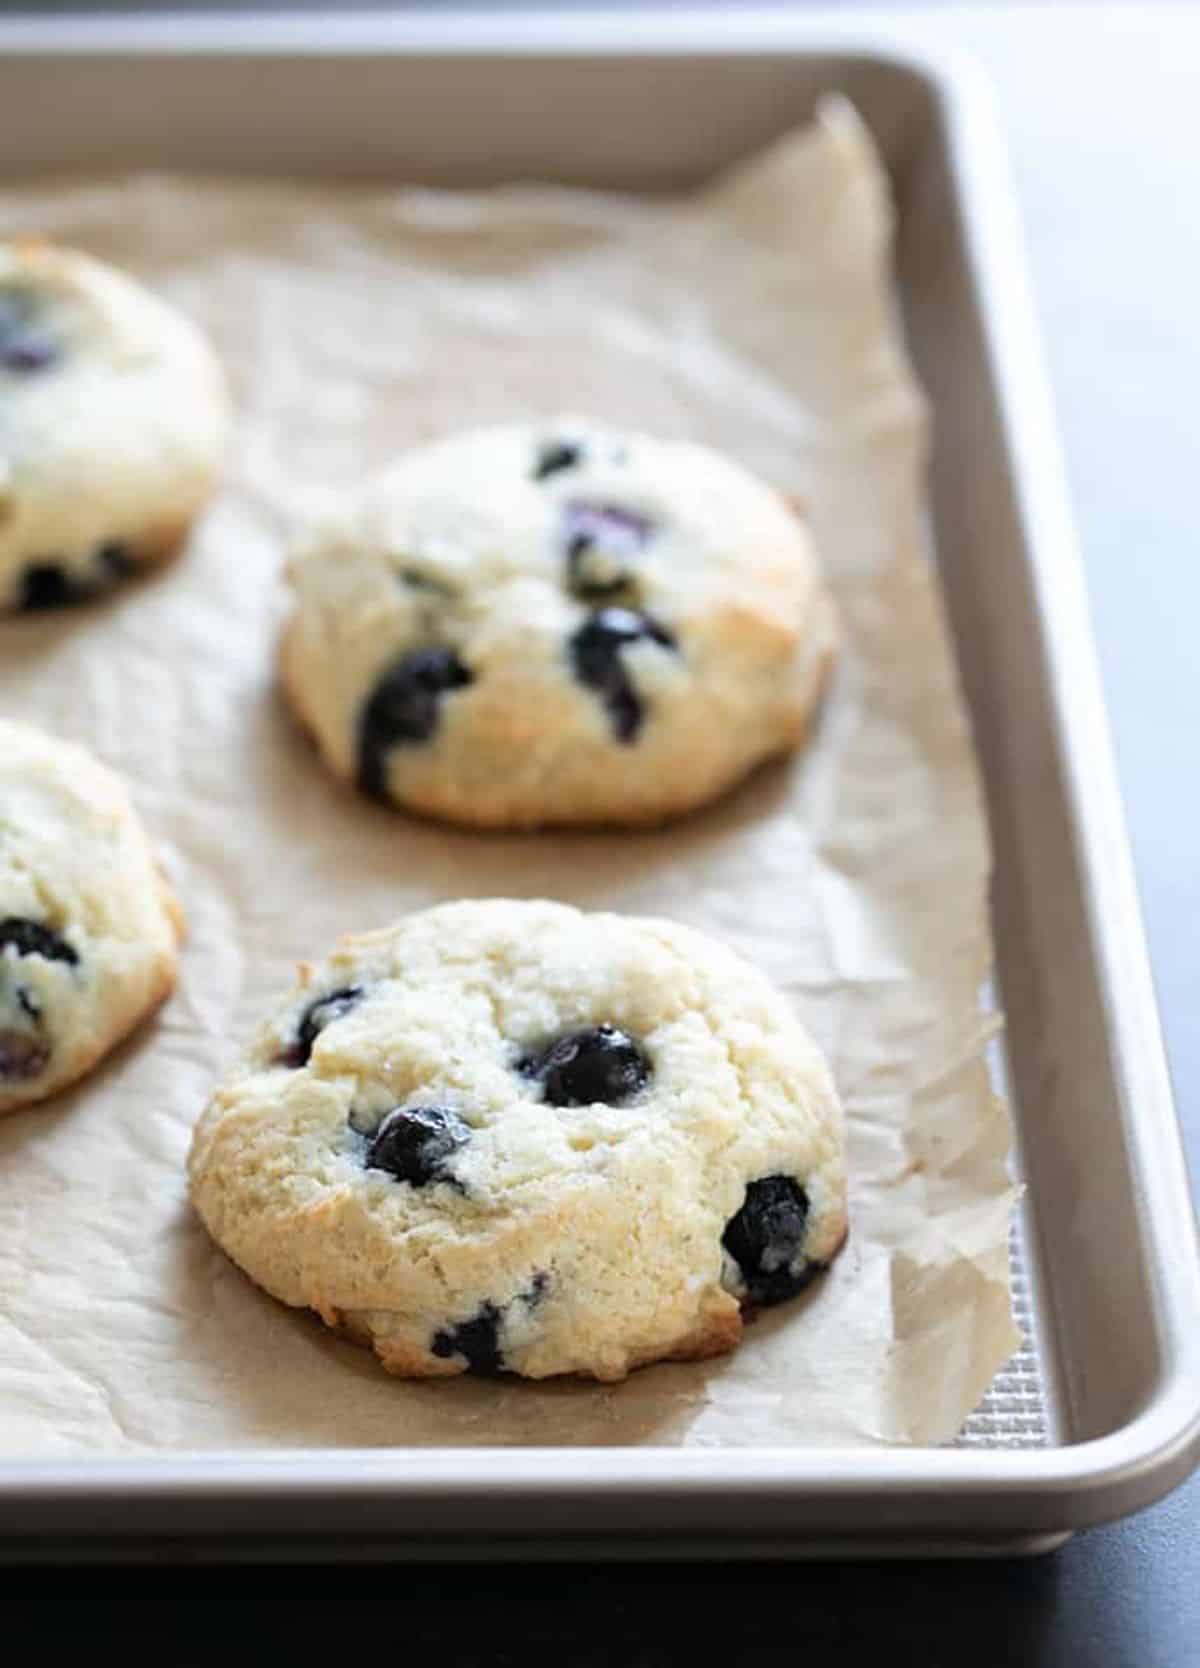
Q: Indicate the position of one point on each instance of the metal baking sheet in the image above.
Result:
(1072, 1431)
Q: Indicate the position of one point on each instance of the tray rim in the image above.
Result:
(1056, 1487)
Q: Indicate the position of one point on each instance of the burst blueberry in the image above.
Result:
(32, 938)
(476, 1340)
(322, 1011)
(404, 709)
(766, 1240)
(597, 660)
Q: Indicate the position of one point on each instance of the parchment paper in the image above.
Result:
(755, 316)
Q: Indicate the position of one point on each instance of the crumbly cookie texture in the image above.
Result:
(516, 1137)
(555, 623)
(113, 421)
(88, 925)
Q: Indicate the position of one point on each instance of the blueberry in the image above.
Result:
(766, 1240)
(115, 561)
(28, 352)
(322, 1011)
(598, 1064)
(404, 708)
(414, 1143)
(22, 1055)
(596, 656)
(599, 539)
(25, 345)
(556, 455)
(477, 1339)
(47, 585)
(418, 581)
(50, 585)
(33, 939)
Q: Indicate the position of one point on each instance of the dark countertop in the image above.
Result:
(1100, 106)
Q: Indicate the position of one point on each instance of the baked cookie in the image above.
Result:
(557, 624)
(88, 925)
(513, 1137)
(113, 419)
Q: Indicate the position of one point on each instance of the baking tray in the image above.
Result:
(1099, 1413)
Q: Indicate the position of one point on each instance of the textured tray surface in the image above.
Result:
(1015, 1411)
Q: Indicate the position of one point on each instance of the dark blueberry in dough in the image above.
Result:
(22, 1056)
(556, 455)
(319, 1013)
(477, 1339)
(47, 585)
(600, 538)
(599, 1064)
(766, 1240)
(114, 560)
(50, 585)
(414, 1143)
(28, 352)
(596, 656)
(404, 708)
(25, 345)
(33, 939)
(419, 581)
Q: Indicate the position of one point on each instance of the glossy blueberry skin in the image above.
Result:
(320, 1012)
(403, 710)
(766, 1241)
(600, 1063)
(595, 651)
(31, 938)
(415, 1143)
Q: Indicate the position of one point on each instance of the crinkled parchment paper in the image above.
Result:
(755, 316)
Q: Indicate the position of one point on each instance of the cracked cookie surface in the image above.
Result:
(557, 623)
(514, 1137)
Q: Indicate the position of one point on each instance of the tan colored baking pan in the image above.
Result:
(1100, 1412)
